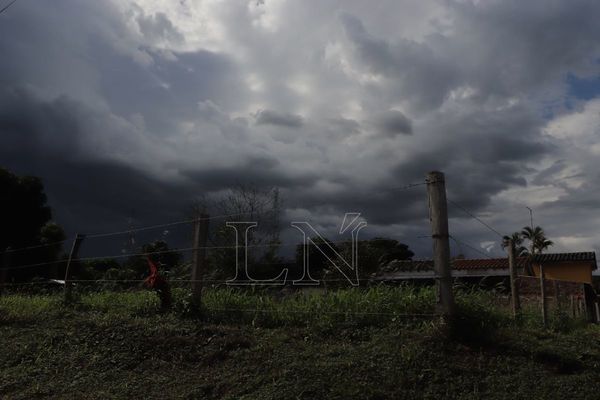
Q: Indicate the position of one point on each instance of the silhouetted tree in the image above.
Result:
(517, 238)
(538, 242)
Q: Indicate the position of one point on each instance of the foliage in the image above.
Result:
(320, 252)
(25, 218)
(517, 238)
(23, 210)
(537, 239)
(247, 203)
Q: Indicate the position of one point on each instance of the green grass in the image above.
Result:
(355, 343)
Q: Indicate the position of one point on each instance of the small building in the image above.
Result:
(570, 272)
(567, 267)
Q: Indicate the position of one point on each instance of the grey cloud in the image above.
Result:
(271, 117)
(158, 26)
(259, 171)
(75, 75)
(422, 75)
(392, 123)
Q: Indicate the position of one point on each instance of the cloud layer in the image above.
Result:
(147, 105)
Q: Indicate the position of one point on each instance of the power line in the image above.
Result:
(145, 228)
(409, 186)
(476, 218)
(7, 6)
(33, 247)
(459, 242)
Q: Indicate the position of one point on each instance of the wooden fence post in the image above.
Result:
(514, 283)
(543, 290)
(557, 295)
(72, 256)
(200, 238)
(438, 215)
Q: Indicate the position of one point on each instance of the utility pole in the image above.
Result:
(200, 238)
(438, 215)
(514, 283)
(72, 256)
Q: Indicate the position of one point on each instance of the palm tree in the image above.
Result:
(517, 238)
(537, 239)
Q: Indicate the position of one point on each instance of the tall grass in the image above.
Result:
(479, 311)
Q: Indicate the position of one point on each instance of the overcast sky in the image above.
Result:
(135, 108)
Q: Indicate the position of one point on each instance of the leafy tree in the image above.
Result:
(538, 242)
(318, 257)
(517, 238)
(26, 222)
(390, 250)
(23, 210)
(245, 203)
(373, 254)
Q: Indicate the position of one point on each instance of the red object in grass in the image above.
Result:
(154, 280)
(159, 284)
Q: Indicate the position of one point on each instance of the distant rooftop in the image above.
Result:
(499, 266)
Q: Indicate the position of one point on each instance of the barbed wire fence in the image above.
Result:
(192, 249)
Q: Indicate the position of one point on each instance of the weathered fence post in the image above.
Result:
(72, 256)
(543, 290)
(438, 215)
(514, 283)
(556, 294)
(200, 238)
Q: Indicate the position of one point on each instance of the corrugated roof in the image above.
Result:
(458, 264)
(587, 256)
(486, 263)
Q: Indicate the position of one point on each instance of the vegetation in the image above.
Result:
(538, 242)
(26, 221)
(351, 343)
(537, 239)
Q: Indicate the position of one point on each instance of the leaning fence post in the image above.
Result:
(200, 238)
(514, 288)
(438, 215)
(72, 256)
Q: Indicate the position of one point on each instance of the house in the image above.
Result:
(402, 270)
(570, 272)
(568, 267)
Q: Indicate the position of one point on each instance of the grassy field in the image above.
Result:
(367, 344)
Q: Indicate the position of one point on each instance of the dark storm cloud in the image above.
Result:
(261, 172)
(423, 75)
(392, 123)
(271, 117)
(479, 155)
(122, 106)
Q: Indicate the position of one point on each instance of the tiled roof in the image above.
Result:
(459, 264)
(485, 263)
(588, 256)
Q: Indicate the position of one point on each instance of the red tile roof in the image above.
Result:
(486, 263)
